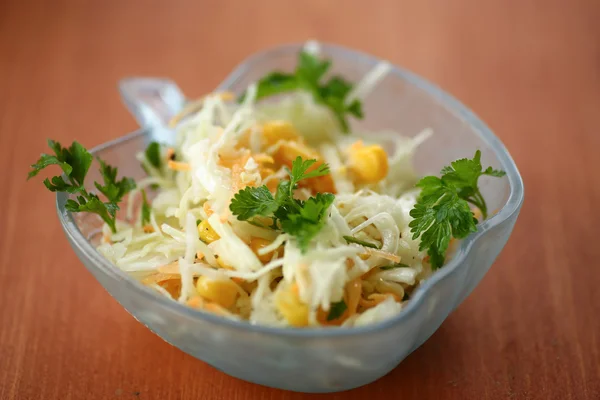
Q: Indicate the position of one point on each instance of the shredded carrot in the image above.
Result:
(376, 298)
(247, 286)
(236, 175)
(263, 158)
(370, 272)
(199, 255)
(178, 166)
(170, 282)
(226, 96)
(383, 254)
(172, 268)
(229, 160)
(225, 215)
(170, 153)
(215, 308)
(148, 229)
(207, 209)
(349, 263)
(160, 277)
(195, 302)
(295, 290)
(190, 108)
(353, 292)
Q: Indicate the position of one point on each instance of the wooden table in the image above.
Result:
(531, 69)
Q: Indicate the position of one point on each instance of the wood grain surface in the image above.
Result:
(531, 69)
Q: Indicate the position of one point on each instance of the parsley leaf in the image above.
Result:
(442, 210)
(152, 154)
(300, 171)
(308, 75)
(352, 239)
(310, 68)
(253, 201)
(306, 223)
(113, 190)
(75, 163)
(336, 310)
(301, 219)
(274, 83)
(463, 174)
(146, 209)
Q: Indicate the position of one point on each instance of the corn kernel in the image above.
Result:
(320, 184)
(207, 233)
(369, 164)
(275, 131)
(222, 292)
(289, 151)
(256, 244)
(291, 307)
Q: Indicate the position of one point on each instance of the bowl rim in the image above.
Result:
(511, 208)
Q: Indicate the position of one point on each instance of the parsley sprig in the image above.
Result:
(307, 76)
(301, 219)
(442, 210)
(75, 162)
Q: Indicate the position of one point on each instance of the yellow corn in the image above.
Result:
(369, 164)
(206, 232)
(256, 244)
(275, 131)
(289, 151)
(222, 263)
(222, 292)
(291, 307)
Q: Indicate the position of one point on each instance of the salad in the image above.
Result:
(270, 208)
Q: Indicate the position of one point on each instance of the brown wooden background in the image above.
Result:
(531, 69)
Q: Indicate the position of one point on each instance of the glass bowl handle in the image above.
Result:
(153, 102)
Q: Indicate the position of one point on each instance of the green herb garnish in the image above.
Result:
(301, 219)
(146, 209)
(152, 154)
(75, 162)
(336, 310)
(307, 76)
(442, 210)
(393, 266)
(352, 239)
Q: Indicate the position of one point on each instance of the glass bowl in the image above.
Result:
(315, 360)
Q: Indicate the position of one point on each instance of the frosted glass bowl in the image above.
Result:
(315, 360)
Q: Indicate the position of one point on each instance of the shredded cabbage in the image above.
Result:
(221, 149)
